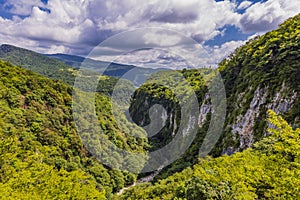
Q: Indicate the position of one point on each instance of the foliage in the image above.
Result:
(55, 69)
(38, 137)
(270, 61)
(38, 63)
(259, 173)
(43, 157)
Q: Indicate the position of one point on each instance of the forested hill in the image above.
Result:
(38, 63)
(261, 75)
(64, 67)
(53, 68)
(270, 170)
(41, 154)
(264, 74)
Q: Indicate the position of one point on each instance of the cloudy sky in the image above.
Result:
(78, 26)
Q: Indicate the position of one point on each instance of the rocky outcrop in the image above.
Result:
(282, 103)
(205, 108)
(244, 125)
(243, 128)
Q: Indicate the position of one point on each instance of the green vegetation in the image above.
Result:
(53, 68)
(40, 148)
(38, 63)
(43, 157)
(270, 170)
(271, 63)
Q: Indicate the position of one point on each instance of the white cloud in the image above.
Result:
(244, 5)
(62, 26)
(181, 56)
(76, 21)
(75, 26)
(53, 49)
(154, 58)
(220, 52)
(262, 17)
(21, 7)
(164, 39)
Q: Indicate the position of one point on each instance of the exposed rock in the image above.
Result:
(282, 103)
(191, 123)
(205, 108)
(243, 127)
(174, 124)
(158, 116)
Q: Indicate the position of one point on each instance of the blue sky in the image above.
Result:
(76, 27)
(231, 33)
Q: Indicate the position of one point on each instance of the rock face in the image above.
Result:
(243, 127)
(261, 75)
(190, 124)
(205, 108)
(242, 130)
(280, 102)
(245, 123)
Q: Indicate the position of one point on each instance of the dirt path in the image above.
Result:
(141, 180)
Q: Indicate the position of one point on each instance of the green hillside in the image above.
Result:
(257, 156)
(42, 157)
(267, 70)
(52, 68)
(38, 63)
(270, 170)
(261, 75)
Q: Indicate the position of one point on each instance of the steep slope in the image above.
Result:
(263, 74)
(269, 171)
(38, 63)
(40, 148)
(52, 68)
(39, 136)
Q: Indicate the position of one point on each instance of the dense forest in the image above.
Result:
(254, 83)
(40, 147)
(42, 155)
(269, 170)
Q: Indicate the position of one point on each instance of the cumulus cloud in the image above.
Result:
(264, 16)
(170, 59)
(154, 58)
(21, 7)
(77, 26)
(244, 5)
(220, 52)
(164, 39)
(91, 21)
(182, 53)
(149, 46)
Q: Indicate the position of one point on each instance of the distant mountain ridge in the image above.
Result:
(64, 66)
(37, 129)
(136, 74)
